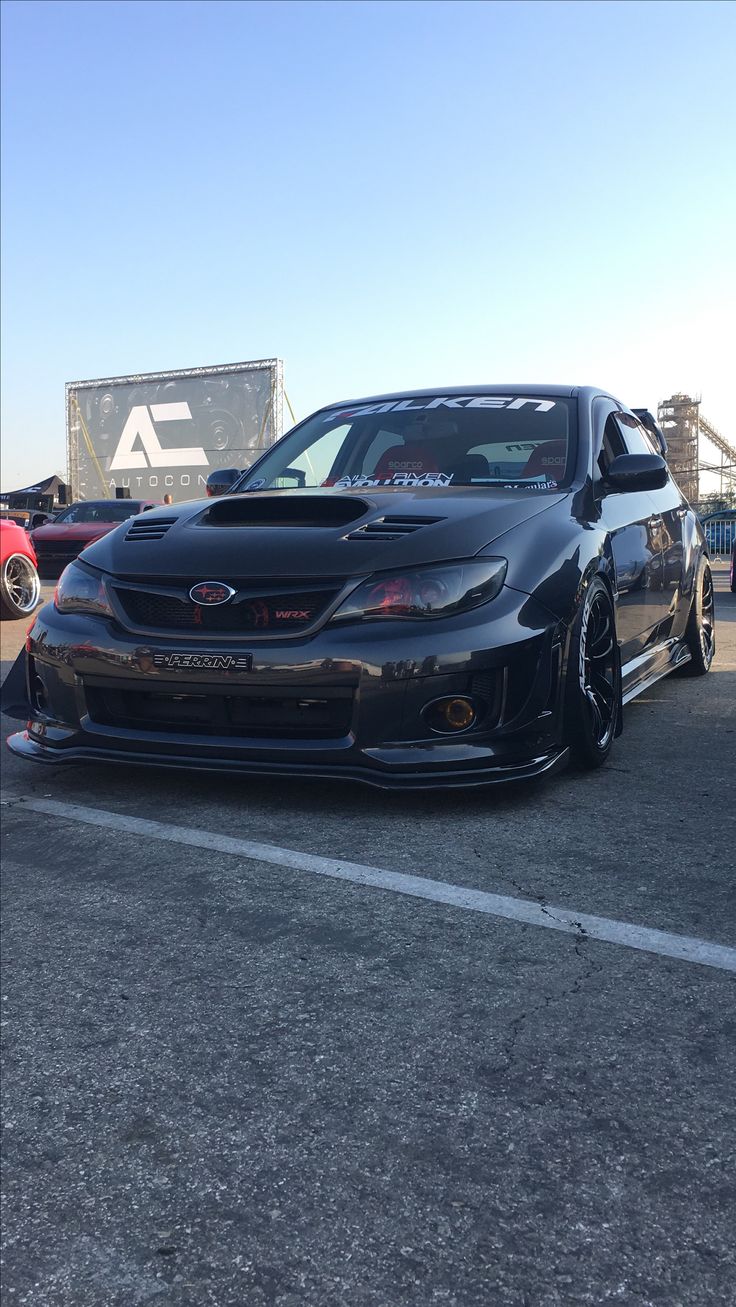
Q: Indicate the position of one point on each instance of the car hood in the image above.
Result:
(322, 533)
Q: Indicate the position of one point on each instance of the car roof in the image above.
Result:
(512, 388)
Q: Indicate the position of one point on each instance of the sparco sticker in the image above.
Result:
(444, 401)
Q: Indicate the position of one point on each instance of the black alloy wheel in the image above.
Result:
(700, 634)
(20, 588)
(593, 694)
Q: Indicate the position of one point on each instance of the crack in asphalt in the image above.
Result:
(542, 900)
(589, 969)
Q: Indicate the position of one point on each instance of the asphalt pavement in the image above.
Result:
(252, 1079)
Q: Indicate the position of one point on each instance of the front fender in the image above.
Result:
(573, 552)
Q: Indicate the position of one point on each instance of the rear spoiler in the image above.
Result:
(650, 423)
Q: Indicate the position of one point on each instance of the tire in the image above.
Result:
(20, 588)
(593, 685)
(700, 634)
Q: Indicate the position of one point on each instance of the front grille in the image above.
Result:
(56, 556)
(280, 613)
(60, 548)
(268, 714)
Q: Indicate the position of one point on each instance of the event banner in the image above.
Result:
(165, 432)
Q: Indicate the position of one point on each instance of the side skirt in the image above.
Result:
(644, 671)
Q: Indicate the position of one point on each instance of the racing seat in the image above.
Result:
(547, 460)
(407, 458)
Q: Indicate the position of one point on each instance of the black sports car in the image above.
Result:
(434, 588)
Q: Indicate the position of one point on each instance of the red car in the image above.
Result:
(20, 588)
(60, 541)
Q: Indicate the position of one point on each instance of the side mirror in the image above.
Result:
(220, 481)
(637, 472)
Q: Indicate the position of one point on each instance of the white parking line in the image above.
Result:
(683, 947)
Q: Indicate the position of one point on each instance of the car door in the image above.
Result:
(670, 508)
(635, 537)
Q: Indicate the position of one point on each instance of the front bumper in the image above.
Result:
(345, 704)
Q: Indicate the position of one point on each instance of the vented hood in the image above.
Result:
(314, 533)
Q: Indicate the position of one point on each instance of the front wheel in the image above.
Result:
(700, 633)
(20, 588)
(593, 688)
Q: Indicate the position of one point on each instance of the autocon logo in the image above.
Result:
(210, 593)
(139, 426)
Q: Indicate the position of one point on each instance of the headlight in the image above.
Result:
(80, 591)
(431, 592)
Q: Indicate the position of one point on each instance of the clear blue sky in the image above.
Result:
(382, 194)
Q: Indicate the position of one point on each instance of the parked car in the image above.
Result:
(20, 588)
(26, 517)
(60, 541)
(720, 530)
(430, 588)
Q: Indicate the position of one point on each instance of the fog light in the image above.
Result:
(450, 715)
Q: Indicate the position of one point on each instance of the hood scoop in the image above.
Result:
(149, 528)
(284, 510)
(391, 528)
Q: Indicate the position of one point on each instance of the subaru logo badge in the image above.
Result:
(209, 593)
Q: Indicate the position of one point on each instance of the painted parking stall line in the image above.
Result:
(685, 948)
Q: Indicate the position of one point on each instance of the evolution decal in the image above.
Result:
(397, 479)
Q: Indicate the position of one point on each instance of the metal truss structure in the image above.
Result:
(683, 424)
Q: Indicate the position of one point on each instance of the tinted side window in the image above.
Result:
(638, 441)
(613, 445)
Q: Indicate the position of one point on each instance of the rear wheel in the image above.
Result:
(593, 690)
(20, 588)
(700, 633)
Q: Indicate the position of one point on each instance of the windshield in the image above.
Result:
(440, 441)
(116, 510)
